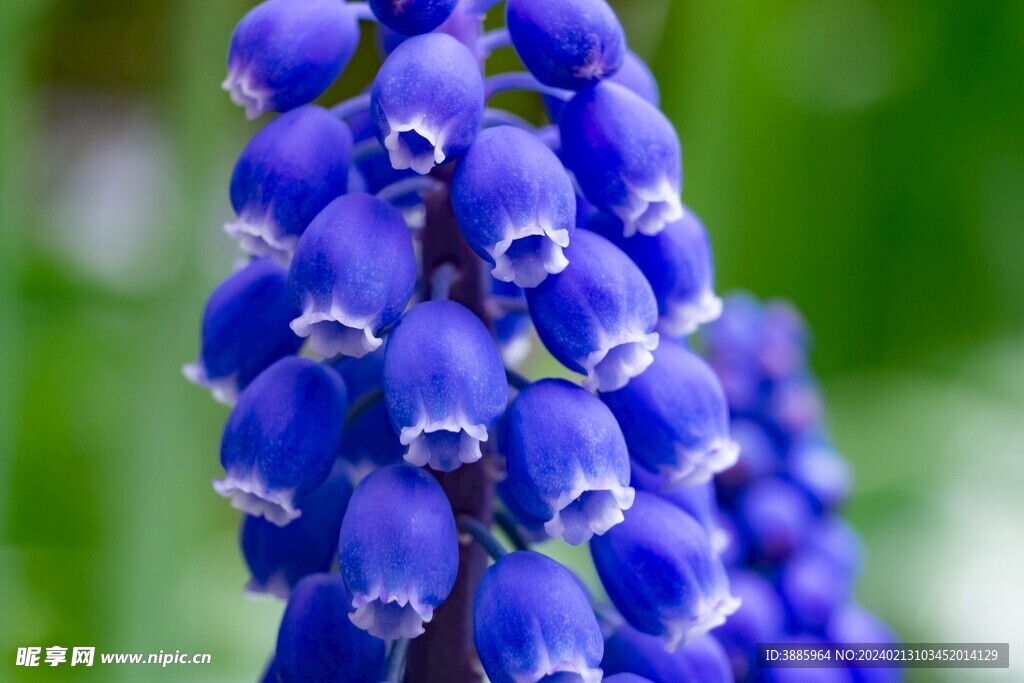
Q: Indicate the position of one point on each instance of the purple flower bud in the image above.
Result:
(776, 517)
(531, 619)
(823, 473)
(625, 155)
(427, 101)
(675, 417)
(353, 274)
(287, 173)
(567, 44)
(661, 572)
(515, 205)
(278, 557)
(465, 24)
(632, 653)
(677, 263)
(285, 53)
(597, 316)
(412, 17)
(835, 539)
(444, 384)
(813, 587)
(318, 644)
(567, 460)
(399, 551)
(634, 75)
(245, 329)
(282, 437)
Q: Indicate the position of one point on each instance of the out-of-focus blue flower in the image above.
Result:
(677, 263)
(287, 173)
(759, 457)
(567, 44)
(803, 674)
(412, 17)
(630, 652)
(853, 624)
(285, 53)
(318, 644)
(661, 573)
(776, 518)
(282, 437)
(675, 417)
(823, 473)
(244, 330)
(760, 619)
(278, 557)
(353, 274)
(427, 101)
(567, 460)
(813, 587)
(399, 551)
(532, 619)
(444, 384)
(626, 157)
(515, 205)
(597, 316)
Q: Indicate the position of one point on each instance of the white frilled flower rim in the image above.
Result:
(263, 237)
(390, 616)
(619, 360)
(334, 332)
(250, 495)
(648, 210)
(243, 93)
(682, 319)
(223, 389)
(402, 156)
(434, 443)
(697, 466)
(589, 508)
(530, 268)
(710, 613)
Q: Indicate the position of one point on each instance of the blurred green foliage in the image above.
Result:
(862, 158)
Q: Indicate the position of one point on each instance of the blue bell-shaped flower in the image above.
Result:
(697, 500)
(245, 329)
(285, 53)
(412, 17)
(597, 316)
(531, 619)
(318, 644)
(515, 205)
(353, 274)
(427, 101)
(630, 652)
(626, 157)
(567, 460)
(634, 75)
(776, 518)
(278, 557)
(282, 437)
(444, 384)
(399, 551)
(567, 44)
(675, 417)
(287, 173)
(661, 573)
(677, 263)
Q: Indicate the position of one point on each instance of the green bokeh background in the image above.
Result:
(862, 158)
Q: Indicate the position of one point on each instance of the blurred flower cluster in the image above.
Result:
(407, 240)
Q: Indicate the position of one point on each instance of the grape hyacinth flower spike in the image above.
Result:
(567, 44)
(444, 384)
(353, 273)
(661, 573)
(677, 263)
(287, 173)
(675, 417)
(626, 157)
(244, 330)
(317, 643)
(285, 53)
(399, 551)
(567, 460)
(282, 437)
(532, 619)
(427, 102)
(597, 316)
(515, 205)
(412, 17)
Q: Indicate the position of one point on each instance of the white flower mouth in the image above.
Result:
(275, 586)
(252, 496)
(389, 617)
(547, 666)
(710, 613)
(262, 237)
(444, 445)
(415, 145)
(612, 366)
(245, 94)
(224, 389)
(589, 508)
(683, 318)
(336, 333)
(531, 254)
(698, 466)
(649, 210)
